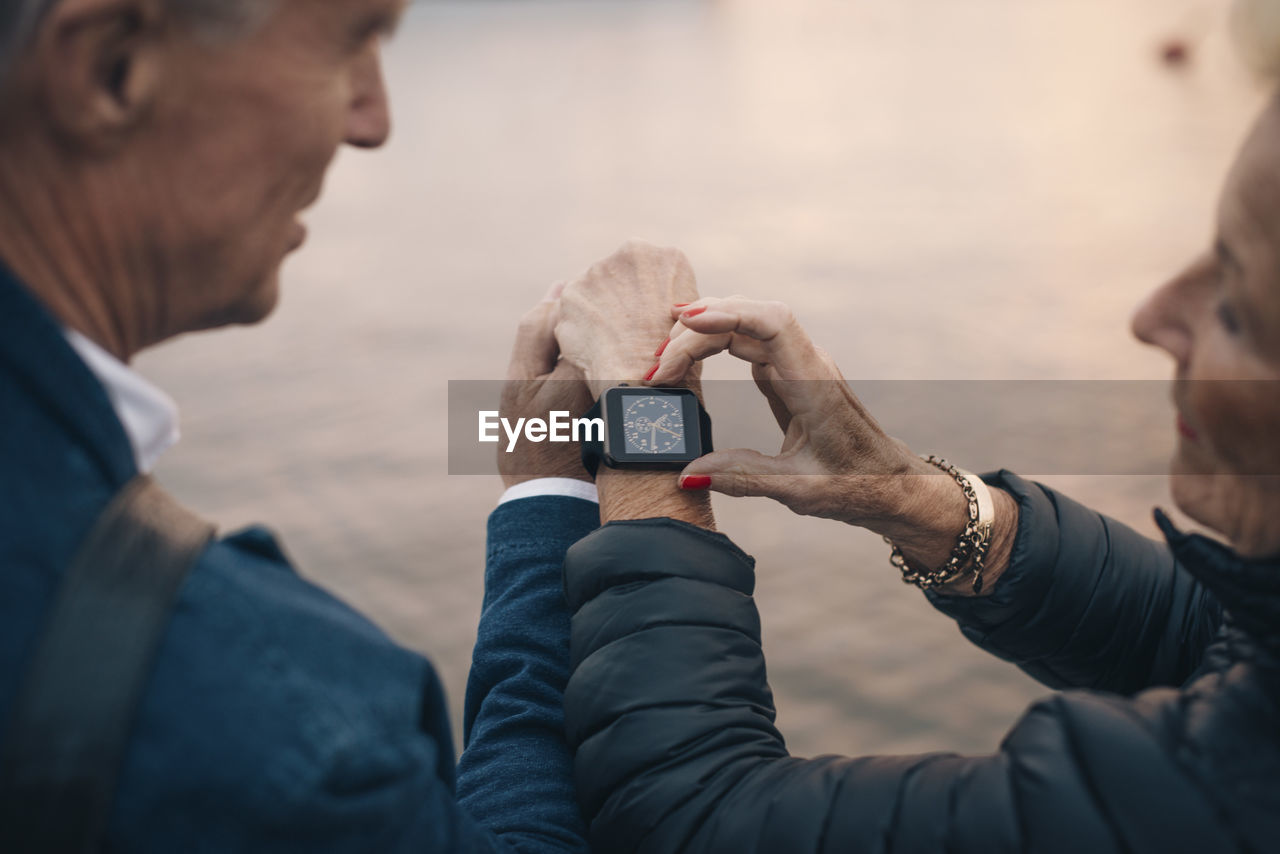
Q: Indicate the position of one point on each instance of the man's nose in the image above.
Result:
(369, 119)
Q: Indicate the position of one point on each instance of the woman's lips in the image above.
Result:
(1184, 429)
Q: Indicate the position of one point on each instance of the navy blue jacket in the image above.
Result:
(278, 719)
(1166, 739)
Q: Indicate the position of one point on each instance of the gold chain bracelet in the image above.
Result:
(970, 551)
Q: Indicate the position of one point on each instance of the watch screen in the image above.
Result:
(653, 424)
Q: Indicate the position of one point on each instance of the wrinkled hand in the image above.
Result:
(538, 382)
(615, 316)
(835, 462)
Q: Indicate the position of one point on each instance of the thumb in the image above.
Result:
(535, 350)
(740, 472)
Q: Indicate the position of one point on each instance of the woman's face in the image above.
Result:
(1220, 321)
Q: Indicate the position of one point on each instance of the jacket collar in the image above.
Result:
(1249, 589)
(36, 354)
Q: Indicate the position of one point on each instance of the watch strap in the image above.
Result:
(592, 448)
(704, 424)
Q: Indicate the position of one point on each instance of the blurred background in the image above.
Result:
(941, 190)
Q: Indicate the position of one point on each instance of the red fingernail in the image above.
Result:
(681, 304)
(663, 346)
(694, 312)
(695, 481)
(652, 371)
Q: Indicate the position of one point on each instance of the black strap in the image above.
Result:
(66, 735)
(592, 450)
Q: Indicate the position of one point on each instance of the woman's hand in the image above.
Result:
(835, 462)
(538, 382)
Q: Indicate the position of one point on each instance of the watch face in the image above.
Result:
(653, 424)
(653, 428)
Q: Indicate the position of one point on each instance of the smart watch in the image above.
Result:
(647, 428)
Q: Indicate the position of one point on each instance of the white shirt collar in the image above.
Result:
(149, 416)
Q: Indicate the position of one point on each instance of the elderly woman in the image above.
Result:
(1166, 735)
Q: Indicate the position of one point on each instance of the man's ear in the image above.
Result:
(97, 66)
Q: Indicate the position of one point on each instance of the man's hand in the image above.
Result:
(614, 319)
(613, 325)
(539, 381)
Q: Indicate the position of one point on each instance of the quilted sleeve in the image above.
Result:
(671, 715)
(1087, 602)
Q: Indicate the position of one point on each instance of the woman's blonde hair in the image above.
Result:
(1255, 26)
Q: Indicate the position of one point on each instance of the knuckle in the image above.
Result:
(635, 247)
(734, 485)
(735, 479)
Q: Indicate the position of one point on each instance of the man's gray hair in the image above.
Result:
(20, 20)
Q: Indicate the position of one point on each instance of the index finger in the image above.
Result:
(774, 337)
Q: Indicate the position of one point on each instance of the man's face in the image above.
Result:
(238, 145)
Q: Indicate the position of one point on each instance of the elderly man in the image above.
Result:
(154, 158)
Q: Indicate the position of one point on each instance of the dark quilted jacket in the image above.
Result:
(1164, 738)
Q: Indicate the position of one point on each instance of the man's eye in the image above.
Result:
(1227, 317)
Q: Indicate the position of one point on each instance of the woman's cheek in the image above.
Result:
(1240, 420)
